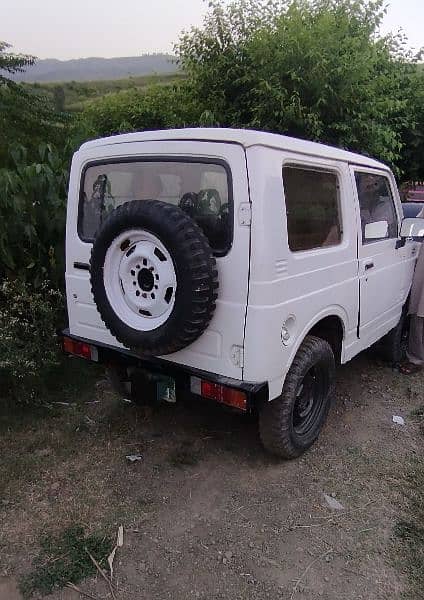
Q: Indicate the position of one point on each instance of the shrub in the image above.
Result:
(28, 348)
(155, 107)
(32, 216)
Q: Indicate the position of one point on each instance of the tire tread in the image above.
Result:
(197, 256)
(276, 416)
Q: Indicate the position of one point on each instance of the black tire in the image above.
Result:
(283, 429)
(195, 269)
(394, 345)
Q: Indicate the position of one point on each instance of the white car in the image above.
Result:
(235, 265)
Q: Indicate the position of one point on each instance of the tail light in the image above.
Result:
(219, 393)
(81, 349)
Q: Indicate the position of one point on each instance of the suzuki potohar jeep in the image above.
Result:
(237, 266)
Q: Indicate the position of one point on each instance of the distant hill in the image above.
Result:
(96, 69)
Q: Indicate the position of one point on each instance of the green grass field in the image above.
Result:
(72, 95)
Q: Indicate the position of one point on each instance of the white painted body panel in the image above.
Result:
(244, 137)
(212, 351)
(305, 286)
(262, 283)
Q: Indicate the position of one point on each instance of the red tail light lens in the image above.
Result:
(220, 393)
(77, 348)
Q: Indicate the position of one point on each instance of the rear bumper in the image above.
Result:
(256, 393)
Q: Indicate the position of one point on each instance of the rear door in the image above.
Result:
(218, 350)
(385, 266)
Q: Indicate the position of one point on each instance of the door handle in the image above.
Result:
(368, 266)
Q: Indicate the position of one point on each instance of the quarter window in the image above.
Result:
(376, 203)
(313, 208)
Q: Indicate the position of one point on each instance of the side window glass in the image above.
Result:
(376, 205)
(313, 208)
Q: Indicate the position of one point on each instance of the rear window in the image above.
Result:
(201, 189)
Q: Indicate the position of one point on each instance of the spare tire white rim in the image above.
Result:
(140, 280)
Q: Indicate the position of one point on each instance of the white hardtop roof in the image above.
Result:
(244, 137)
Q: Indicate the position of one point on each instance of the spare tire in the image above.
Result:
(153, 277)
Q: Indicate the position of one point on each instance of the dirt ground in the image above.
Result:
(207, 513)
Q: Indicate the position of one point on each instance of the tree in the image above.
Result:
(412, 159)
(12, 63)
(315, 69)
(33, 179)
(26, 117)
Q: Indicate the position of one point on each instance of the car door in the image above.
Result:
(384, 264)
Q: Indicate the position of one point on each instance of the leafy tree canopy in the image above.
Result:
(26, 118)
(12, 63)
(316, 69)
(33, 179)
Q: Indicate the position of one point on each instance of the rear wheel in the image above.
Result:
(290, 424)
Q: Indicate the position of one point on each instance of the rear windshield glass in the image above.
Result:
(201, 189)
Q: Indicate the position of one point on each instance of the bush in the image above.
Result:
(28, 347)
(156, 107)
(32, 216)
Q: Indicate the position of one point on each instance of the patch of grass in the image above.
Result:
(78, 93)
(418, 413)
(35, 437)
(146, 502)
(20, 467)
(64, 558)
(184, 456)
(409, 531)
(355, 453)
(410, 535)
(74, 380)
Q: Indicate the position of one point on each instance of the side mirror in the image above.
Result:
(412, 228)
(376, 230)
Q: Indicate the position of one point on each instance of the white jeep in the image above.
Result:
(235, 265)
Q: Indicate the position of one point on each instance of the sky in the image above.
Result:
(108, 28)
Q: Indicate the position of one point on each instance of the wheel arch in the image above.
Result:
(329, 325)
(330, 329)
